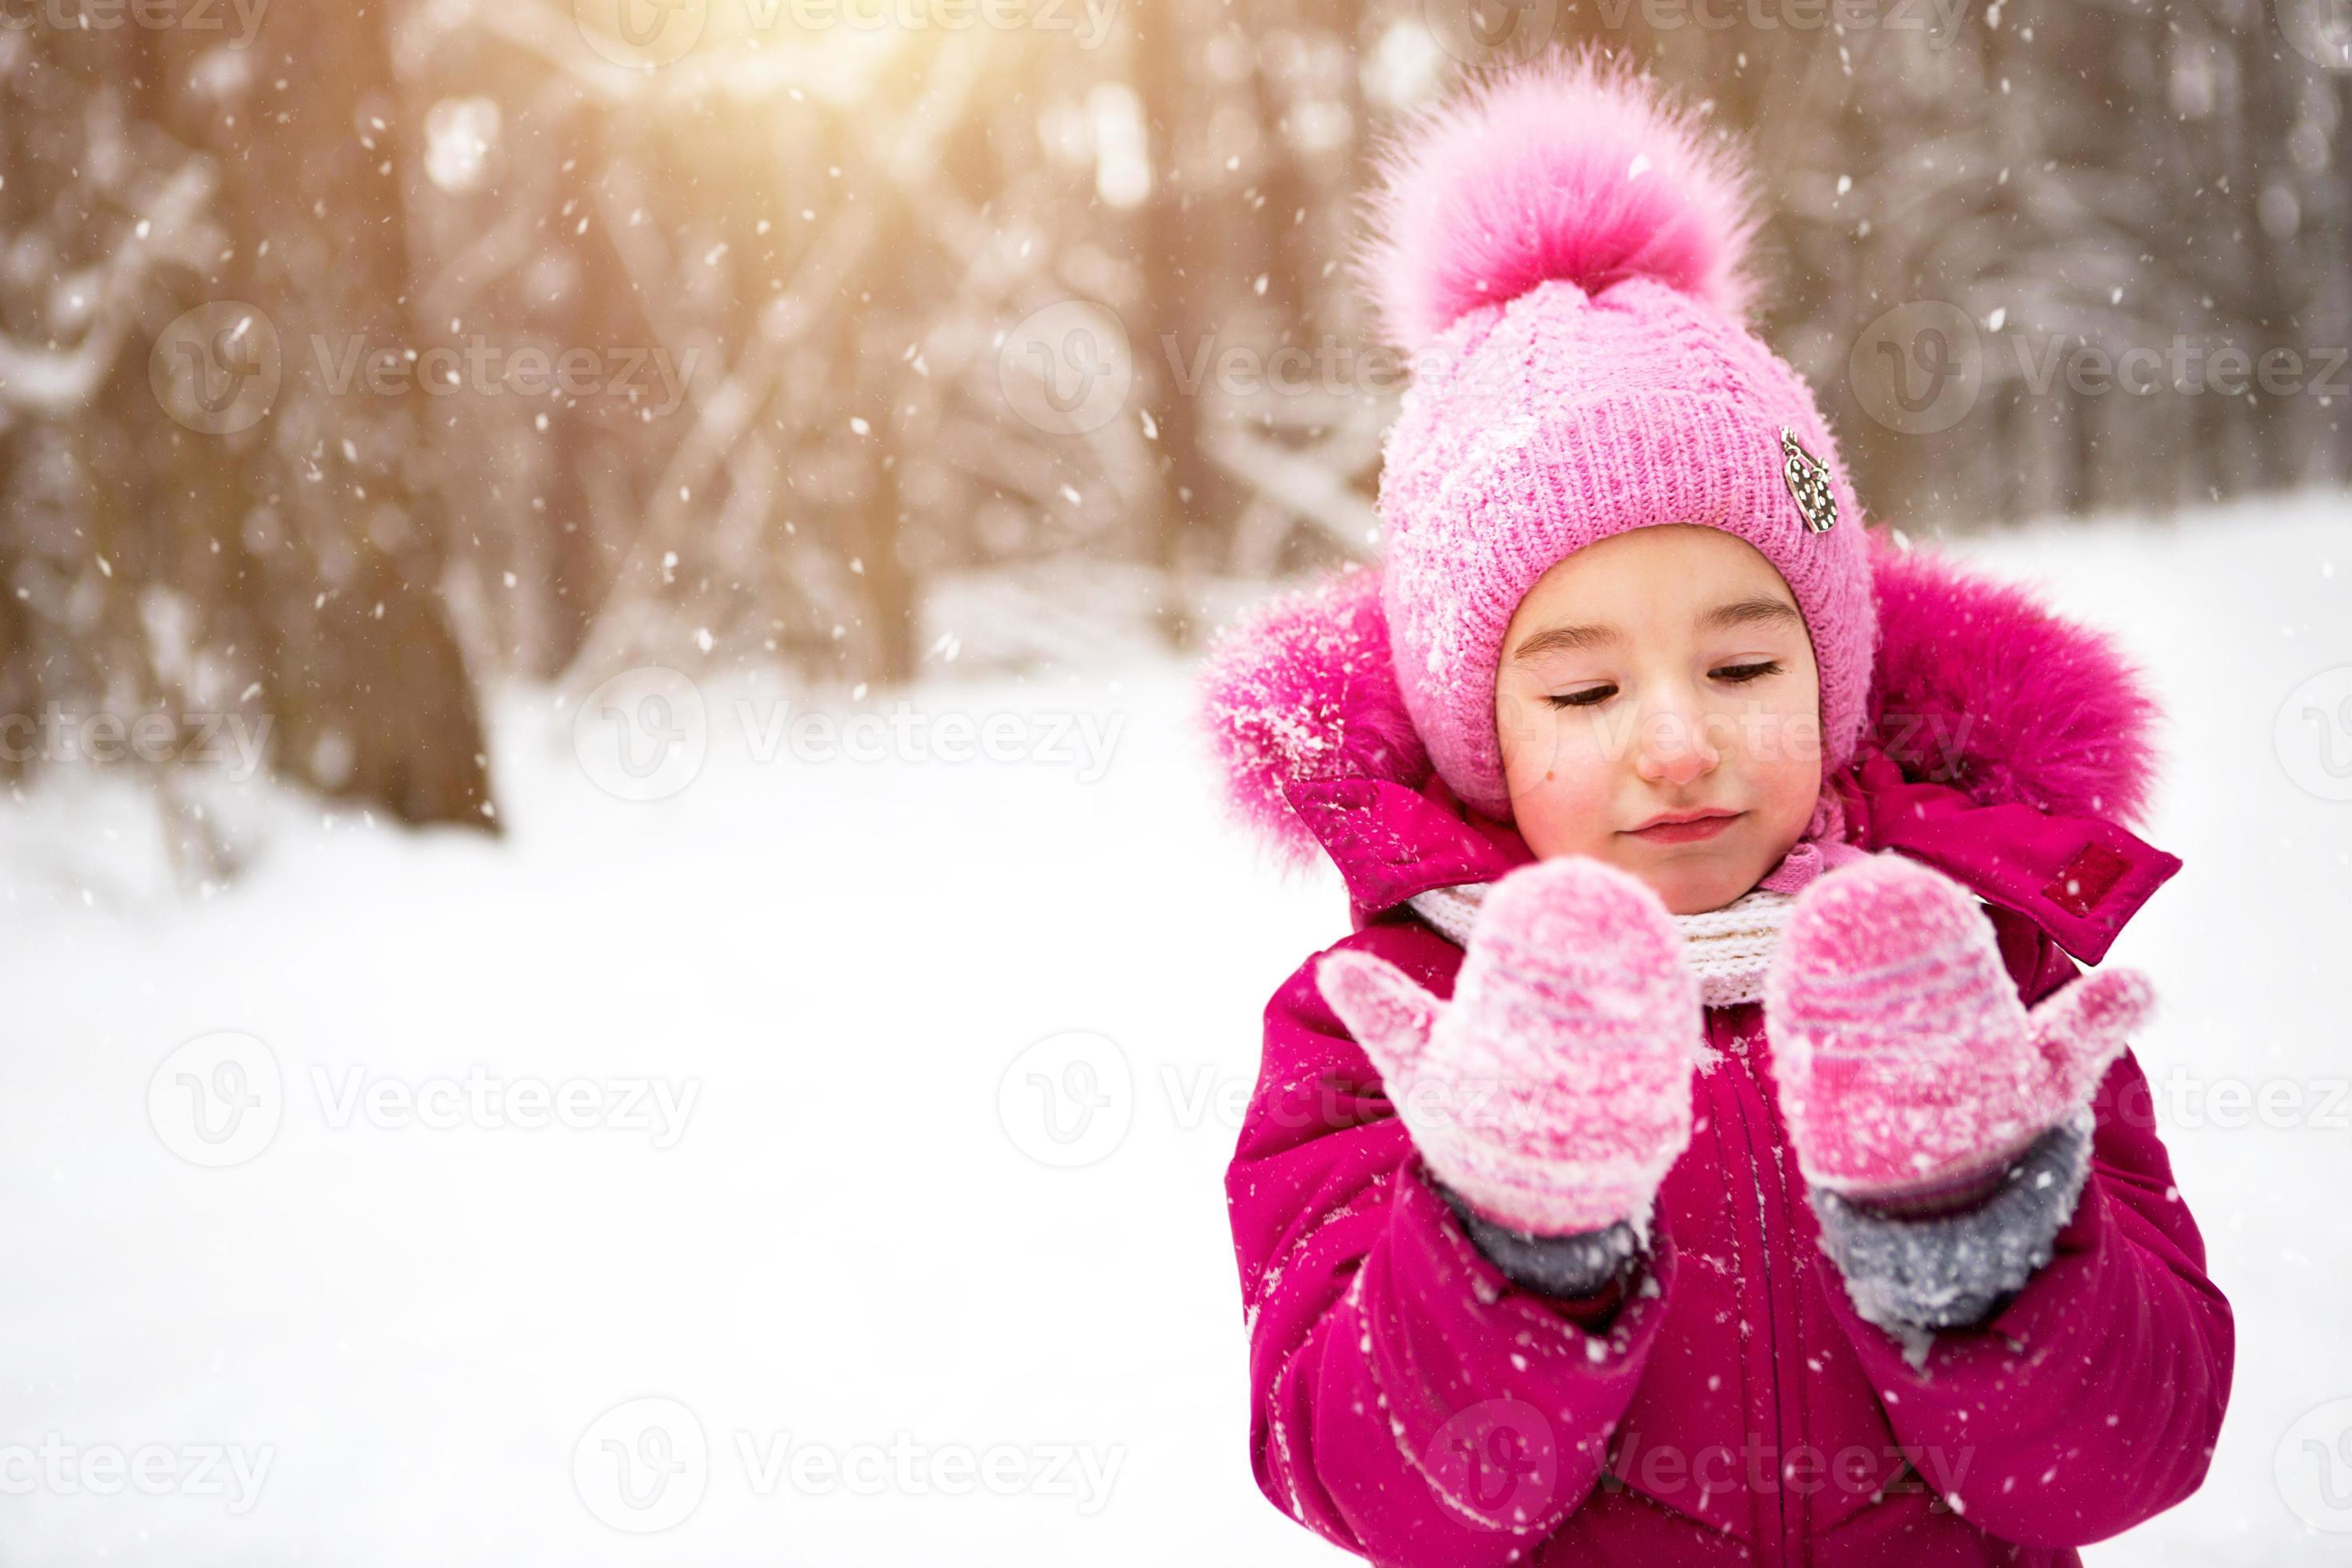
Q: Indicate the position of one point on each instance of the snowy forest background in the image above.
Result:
(800, 265)
(411, 410)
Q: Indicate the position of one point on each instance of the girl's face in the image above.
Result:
(1663, 672)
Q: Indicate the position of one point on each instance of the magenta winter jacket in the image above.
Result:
(1411, 1403)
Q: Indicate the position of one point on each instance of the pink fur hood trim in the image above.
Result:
(1976, 684)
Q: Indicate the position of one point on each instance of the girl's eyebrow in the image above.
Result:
(1759, 610)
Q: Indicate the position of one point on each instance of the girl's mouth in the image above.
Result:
(1689, 831)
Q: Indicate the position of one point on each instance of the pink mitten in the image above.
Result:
(1907, 1061)
(1552, 1093)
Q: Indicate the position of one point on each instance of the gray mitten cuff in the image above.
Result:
(1952, 1272)
(1575, 1265)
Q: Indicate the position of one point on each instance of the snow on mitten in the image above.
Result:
(1906, 1062)
(1552, 1093)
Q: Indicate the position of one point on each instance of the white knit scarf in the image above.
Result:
(1728, 949)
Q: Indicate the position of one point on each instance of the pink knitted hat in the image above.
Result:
(1563, 255)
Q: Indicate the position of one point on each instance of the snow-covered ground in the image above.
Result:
(834, 1260)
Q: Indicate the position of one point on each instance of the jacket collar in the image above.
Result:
(2079, 879)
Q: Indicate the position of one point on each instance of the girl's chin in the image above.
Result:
(1693, 884)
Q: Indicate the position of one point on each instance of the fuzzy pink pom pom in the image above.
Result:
(1572, 168)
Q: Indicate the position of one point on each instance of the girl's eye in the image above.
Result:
(1738, 674)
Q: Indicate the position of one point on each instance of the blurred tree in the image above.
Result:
(282, 539)
(802, 262)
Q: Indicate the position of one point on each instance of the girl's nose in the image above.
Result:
(1674, 746)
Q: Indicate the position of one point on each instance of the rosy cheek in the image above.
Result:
(1797, 786)
(1786, 775)
(1529, 745)
(1570, 806)
(1561, 790)
(1524, 729)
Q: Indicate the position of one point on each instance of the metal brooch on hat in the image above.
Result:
(1809, 482)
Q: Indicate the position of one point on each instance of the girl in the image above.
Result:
(1705, 1148)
